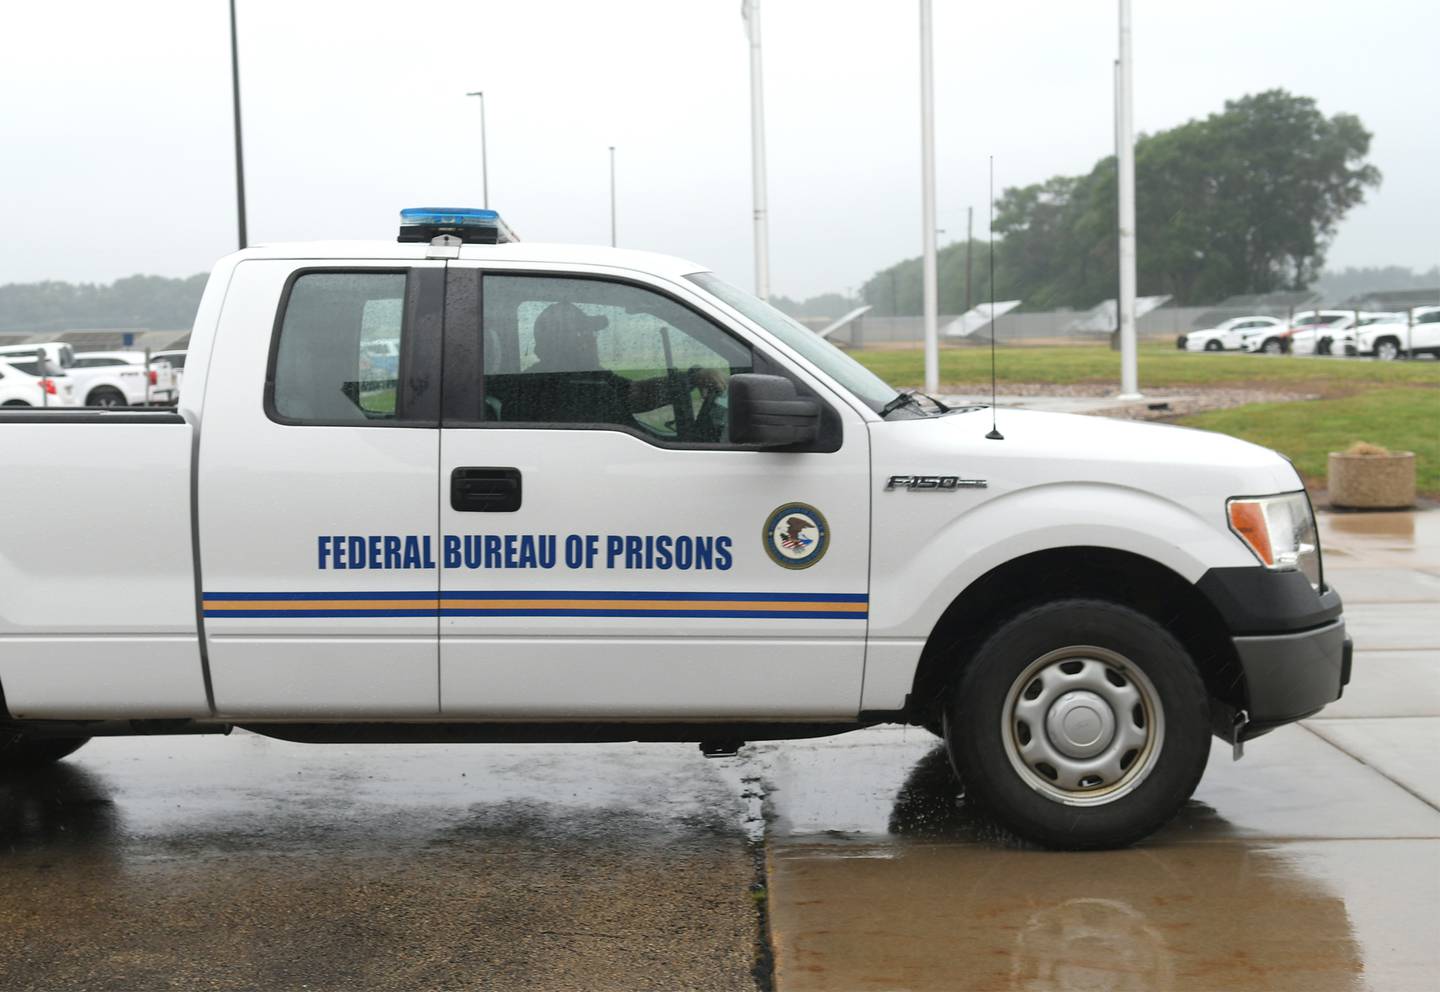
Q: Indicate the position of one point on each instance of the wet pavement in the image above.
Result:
(245, 863)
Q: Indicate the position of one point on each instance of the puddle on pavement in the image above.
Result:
(882, 877)
(1314, 916)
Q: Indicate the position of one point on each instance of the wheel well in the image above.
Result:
(1103, 573)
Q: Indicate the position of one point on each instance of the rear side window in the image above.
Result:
(337, 360)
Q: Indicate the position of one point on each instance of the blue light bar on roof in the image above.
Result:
(470, 225)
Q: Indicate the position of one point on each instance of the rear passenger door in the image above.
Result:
(318, 491)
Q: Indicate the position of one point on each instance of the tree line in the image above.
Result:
(1246, 200)
(150, 302)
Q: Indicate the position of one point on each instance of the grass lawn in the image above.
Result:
(1394, 404)
(1161, 365)
(1398, 418)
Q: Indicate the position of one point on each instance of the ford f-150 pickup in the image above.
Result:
(601, 495)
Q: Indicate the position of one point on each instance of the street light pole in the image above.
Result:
(927, 177)
(484, 166)
(239, 148)
(1125, 169)
(612, 196)
(750, 10)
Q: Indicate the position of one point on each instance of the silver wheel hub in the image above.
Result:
(1080, 724)
(1083, 725)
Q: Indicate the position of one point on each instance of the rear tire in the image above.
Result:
(105, 396)
(1214, 346)
(1080, 724)
(14, 403)
(20, 753)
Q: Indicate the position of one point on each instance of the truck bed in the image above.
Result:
(97, 572)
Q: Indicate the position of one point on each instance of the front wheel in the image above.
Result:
(19, 752)
(1272, 346)
(1080, 724)
(1214, 346)
(1387, 349)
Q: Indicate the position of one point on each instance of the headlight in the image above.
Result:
(1280, 530)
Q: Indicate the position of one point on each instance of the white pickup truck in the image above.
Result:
(605, 496)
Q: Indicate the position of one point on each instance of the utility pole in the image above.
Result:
(969, 253)
(239, 147)
(612, 196)
(484, 165)
(927, 182)
(750, 11)
(1125, 111)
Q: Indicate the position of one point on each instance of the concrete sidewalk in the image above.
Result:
(1313, 864)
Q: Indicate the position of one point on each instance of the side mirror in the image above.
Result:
(766, 410)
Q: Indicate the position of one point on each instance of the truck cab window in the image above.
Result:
(592, 352)
(338, 357)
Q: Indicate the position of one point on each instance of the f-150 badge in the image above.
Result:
(931, 483)
(796, 535)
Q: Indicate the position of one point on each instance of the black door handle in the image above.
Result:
(485, 490)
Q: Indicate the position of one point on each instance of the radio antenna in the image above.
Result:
(994, 434)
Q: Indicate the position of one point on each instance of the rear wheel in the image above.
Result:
(105, 396)
(1080, 724)
(14, 403)
(19, 752)
(1214, 346)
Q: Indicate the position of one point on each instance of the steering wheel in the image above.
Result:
(712, 418)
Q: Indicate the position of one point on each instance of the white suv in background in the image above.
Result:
(27, 383)
(1396, 336)
(119, 378)
(1230, 335)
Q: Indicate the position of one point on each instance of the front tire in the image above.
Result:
(1214, 346)
(20, 753)
(1272, 346)
(1080, 724)
(1387, 349)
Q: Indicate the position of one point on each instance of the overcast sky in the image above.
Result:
(116, 155)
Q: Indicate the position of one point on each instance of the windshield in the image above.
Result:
(867, 387)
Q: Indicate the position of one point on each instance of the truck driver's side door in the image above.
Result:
(607, 553)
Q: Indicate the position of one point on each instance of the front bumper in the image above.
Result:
(1289, 640)
(1289, 676)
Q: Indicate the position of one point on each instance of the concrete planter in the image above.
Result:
(1372, 482)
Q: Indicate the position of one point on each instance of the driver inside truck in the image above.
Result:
(582, 389)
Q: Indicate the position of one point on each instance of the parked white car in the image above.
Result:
(1395, 336)
(26, 383)
(120, 378)
(1231, 335)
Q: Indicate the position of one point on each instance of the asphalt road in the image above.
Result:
(245, 863)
